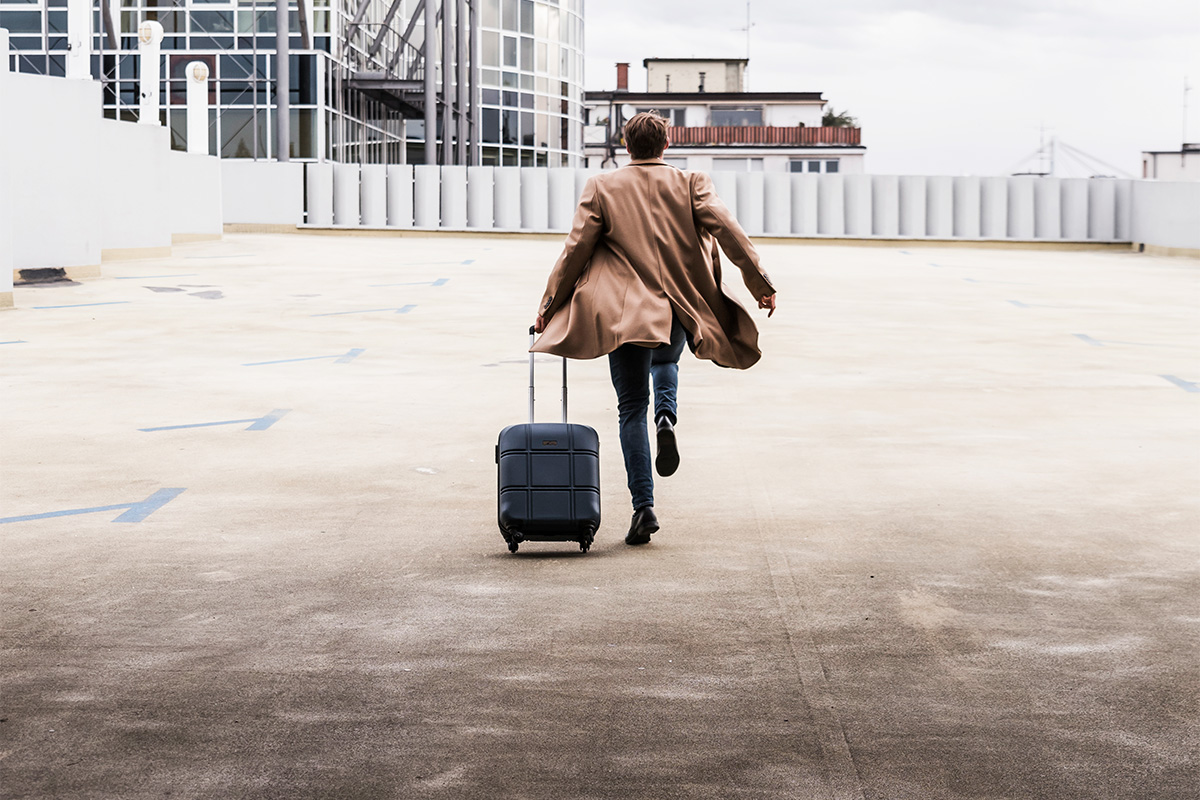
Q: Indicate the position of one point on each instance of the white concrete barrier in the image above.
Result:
(372, 201)
(939, 207)
(1021, 206)
(750, 202)
(454, 197)
(1102, 210)
(1074, 208)
(563, 198)
(507, 202)
(993, 208)
(1165, 214)
(1047, 204)
(481, 197)
(400, 186)
(804, 205)
(777, 203)
(912, 205)
(318, 194)
(966, 200)
(885, 205)
(857, 194)
(535, 199)
(1124, 203)
(427, 193)
(831, 206)
(347, 191)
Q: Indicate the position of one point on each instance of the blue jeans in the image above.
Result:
(632, 367)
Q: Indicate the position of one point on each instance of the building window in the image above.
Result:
(738, 164)
(674, 116)
(737, 117)
(813, 165)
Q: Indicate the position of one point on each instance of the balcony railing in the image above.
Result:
(765, 135)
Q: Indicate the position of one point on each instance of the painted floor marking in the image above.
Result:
(438, 282)
(344, 358)
(1187, 386)
(1105, 342)
(134, 512)
(82, 305)
(16, 341)
(401, 310)
(1005, 283)
(258, 423)
(148, 277)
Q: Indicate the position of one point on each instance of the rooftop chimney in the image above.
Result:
(623, 77)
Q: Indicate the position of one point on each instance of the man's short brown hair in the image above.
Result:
(646, 135)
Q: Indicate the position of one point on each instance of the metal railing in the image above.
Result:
(765, 135)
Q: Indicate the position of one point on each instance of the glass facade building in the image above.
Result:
(528, 83)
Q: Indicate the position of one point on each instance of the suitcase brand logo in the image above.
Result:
(549, 442)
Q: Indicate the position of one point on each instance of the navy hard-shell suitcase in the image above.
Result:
(549, 479)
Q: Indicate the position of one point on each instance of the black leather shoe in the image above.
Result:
(667, 460)
(644, 523)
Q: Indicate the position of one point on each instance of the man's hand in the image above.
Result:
(766, 301)
(540, 324)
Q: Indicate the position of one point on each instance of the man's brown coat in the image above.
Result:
(641, 247)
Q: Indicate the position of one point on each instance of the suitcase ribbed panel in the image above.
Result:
(549, 476)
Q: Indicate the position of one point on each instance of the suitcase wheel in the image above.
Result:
(512, 547)
(585, 542)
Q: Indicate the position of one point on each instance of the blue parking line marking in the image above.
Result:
(401, 310)
(134, 512)
(1187, 386)
(83, 305)
(16, 341)
(468, 261)
(344, 358)
(1088, 339)
(258, 423)
(1019, 304)
(148, 277)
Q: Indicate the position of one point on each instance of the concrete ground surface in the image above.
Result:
(940, 543)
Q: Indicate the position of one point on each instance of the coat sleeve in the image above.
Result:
(577, 252)
(713, 215)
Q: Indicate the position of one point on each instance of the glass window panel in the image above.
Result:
(508, 134)
(831, 166)
(56, 21)
(527, 83)
(21, 21)
(509, 80)
(527, 129)
(510, 98)
(491, 48)
(541, 57)
(303, 133)
(491, 13)
(526, 16)
(510, 15)
(491, 156)
(237, 133)
(552, 23)
(489, 77)
(737, 117)
(814, 166)
(527, 100)
(491, 125)
(795, 166)
(527, 54)
(541, 160)
(510, 51)
(212, 22)
(526, 158)
(304, 80)
(543, 126)
(491, 97)
(539, 21)
(511, 158)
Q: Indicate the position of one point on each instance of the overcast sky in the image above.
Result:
(947, 87)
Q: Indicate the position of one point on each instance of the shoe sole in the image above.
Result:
(642, 537)
(668, 453)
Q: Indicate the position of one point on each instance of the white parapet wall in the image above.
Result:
(265, 192)
(78, 188)
(538, 199)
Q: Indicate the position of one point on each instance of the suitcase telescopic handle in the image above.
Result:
(532, 334)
